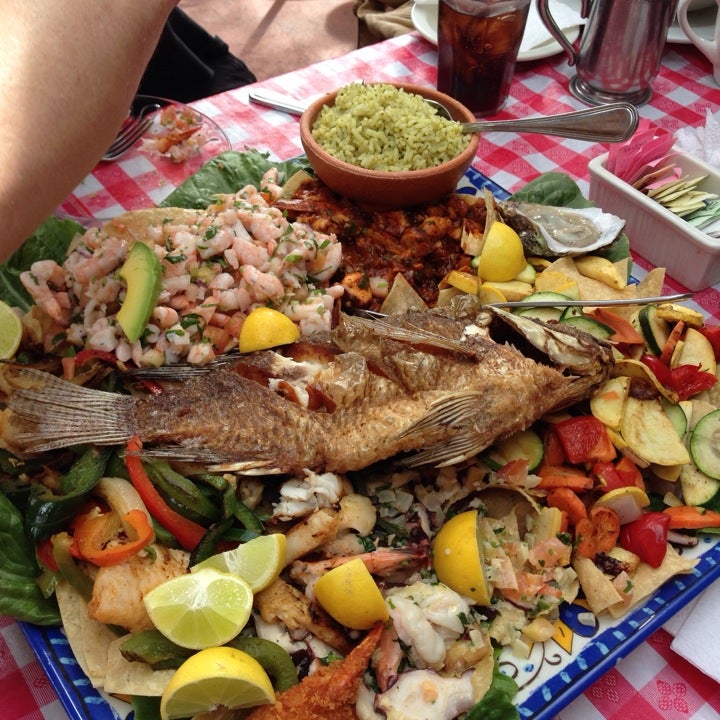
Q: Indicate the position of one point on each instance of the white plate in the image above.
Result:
(424, 17)
(701, 21)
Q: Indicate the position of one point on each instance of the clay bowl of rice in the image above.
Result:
(381, 145)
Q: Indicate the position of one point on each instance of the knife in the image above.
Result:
(276, 101)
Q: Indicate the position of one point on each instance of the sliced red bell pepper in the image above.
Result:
(659, 369)
(187, 532)
(553, 453)
(606, 472)
(647, 537)
(689, 380)
(45, 555)
(97, 538)
(84, 355)
(712, 333)
(584, 439)
(629, 472)
(689, 517)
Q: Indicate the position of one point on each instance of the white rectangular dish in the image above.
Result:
(691, 256)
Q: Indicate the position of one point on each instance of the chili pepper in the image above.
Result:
(187, 532)
(96, 536)
(61, 544)
(647, 537)
(47, 513)
(584, 439)
(689, 517)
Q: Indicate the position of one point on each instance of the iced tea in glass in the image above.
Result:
(478, 43)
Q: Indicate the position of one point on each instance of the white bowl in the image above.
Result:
(690, 256)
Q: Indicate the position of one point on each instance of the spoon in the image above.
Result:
(604, 123)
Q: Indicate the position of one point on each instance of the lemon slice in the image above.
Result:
(10, 331)
(200, 609)
(213, 678)
(350, 595)
(266, 328)
(258, 561)
(458, 557)
(502, 256)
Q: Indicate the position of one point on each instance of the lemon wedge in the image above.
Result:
(458, 557)
(258, 561)
(213, 678)
(10, 331)
(266, 328)
(200, 609)
(350, 595)
(502, 256)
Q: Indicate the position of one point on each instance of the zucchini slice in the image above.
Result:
(705, 444)
(655, 330)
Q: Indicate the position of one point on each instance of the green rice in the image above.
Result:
(381, 127)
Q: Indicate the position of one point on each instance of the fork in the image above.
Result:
(131, 132)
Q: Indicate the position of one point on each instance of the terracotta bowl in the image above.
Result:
(380, 188)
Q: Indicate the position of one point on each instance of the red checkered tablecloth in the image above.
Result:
(652, 683)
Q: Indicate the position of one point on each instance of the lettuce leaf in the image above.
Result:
(21, 597)
(49, 242)
(497, 703)
(227, 173)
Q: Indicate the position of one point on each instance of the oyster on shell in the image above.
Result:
(549, 231)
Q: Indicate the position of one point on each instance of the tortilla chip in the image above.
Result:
(402, 298)
(599, 591)
(647, 579)
(133, 678)
(88, 638)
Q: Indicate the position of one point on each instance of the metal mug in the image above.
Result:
(620, 49)
(709, 48)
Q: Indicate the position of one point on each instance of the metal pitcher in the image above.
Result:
(620, 48)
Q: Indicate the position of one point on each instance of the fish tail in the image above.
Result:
(51, 413)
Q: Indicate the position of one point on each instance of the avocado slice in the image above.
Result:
(143, 274)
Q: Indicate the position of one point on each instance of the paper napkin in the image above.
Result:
(695, 640)
(702, 142)
(567, 16)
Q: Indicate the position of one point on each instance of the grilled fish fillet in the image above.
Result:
(440, 386)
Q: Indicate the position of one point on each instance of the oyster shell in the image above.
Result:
(549, 231)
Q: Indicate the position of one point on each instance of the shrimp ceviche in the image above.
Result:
(217, 265)
(407, 589)
(177, 134)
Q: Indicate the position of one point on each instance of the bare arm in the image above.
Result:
(68, 72)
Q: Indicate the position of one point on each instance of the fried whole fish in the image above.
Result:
(437, 386)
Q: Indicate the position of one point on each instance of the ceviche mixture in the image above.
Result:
(391, 591)
(177, 134)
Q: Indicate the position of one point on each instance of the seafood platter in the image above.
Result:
(444, 461)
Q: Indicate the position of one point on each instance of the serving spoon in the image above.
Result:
(605, 123)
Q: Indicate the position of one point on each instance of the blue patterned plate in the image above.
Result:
(556, 672)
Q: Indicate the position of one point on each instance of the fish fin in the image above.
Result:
(456, 411)
(452, 411)
(215, 460)
(410, 334)
(54, 413)
(182, 371)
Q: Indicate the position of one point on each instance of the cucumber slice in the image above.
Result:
(704, 444)
(655, 330)
(525, 444)
(570, 312)
(591, 326)
(697, 487)
(540, 313)
(677, 416)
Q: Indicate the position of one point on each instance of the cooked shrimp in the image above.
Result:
(43, 281)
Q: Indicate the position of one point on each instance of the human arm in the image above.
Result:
(68, 72)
